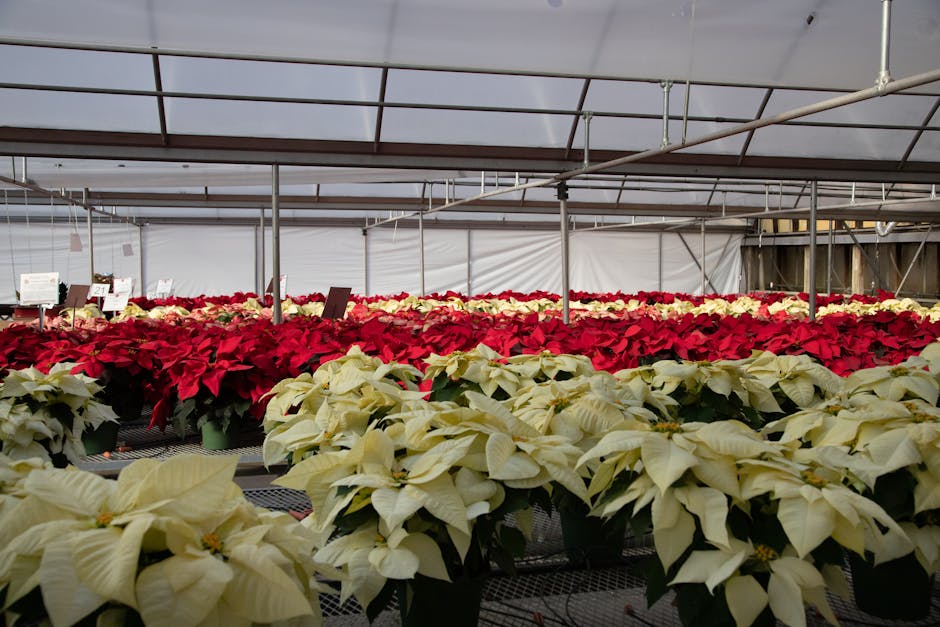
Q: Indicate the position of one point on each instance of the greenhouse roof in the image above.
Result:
(372, 106)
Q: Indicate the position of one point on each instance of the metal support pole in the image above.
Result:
(276, 242)
(812, 249)
(587, 139)
(910, 267)
(421, 237)
(704, 278)
(666, 85)
(562, 190)
(469, 263)
(25, 176)
(884, 75)
(365, 262)
(140, 259)
(91, 240)
(829, 261)
(262, 268)
(660, 282)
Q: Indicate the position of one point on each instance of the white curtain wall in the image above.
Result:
(225, 259)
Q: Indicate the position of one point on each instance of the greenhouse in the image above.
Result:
(409, 296)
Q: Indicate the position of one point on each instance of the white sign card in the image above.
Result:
(128, 250)
(39, 288)
(283, 284)
(164, 286)
(99, 290)
(124, 285)
(114, 302)
(75, 243)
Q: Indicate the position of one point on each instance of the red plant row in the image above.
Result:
(173, 362)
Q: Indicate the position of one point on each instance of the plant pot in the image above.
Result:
(592, 541)
(899, 589)
(102, 439)
(215, 439)
(427, 602)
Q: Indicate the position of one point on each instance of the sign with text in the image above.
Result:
(282, 284)
(99, 290)
(123, 285)
(114, 302)
(164, 286)
(39, 288)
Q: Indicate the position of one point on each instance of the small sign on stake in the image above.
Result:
(164, 287)
(128, 250)
(76, 297)
(115, 302)
(335, 305)
(123, 285)
(99, 290)
(39, 288)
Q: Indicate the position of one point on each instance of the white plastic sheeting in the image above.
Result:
(223, 259)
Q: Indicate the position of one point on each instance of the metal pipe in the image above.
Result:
(276, 242)
(703, 258)
(91, 240)
(813, 195)
(785, 116)
(666, 85)
(685, 111)
(25, 176)
(140, 259)
(884, 76)
(421, 237)
(263, 254)
(587, 141)
(829, 261)
(469, 263)
(365, 261)
(913, 260)
(659, 284)
(563, 217)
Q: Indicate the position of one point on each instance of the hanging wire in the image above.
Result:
(52, 231)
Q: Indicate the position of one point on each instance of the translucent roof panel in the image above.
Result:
(802, 42)
(98, 112)
(267, 119)
(479, 128)
(927, 148)
(463, 88)
(75, 68)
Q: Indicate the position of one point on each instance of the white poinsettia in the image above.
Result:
(548, 365)
(334, 406)
(792, 582)
(33, 405)
(207, 554)
(802, 380)
(482, 366)
(895, 383)
(813, 505)
(582, 409)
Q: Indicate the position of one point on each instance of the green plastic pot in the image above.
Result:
(215, 439)
(102, 439)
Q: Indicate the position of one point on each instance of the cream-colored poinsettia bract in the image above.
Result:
(174, 541)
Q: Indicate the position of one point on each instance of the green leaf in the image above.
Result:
(381, 600)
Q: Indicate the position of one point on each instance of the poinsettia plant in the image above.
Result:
(168, 543)
(43, 414)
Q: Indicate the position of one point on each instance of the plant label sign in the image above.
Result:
(164, 286)
(39, 288)
(76, 297)
(123, 285)
(115, 302)
(99, 290)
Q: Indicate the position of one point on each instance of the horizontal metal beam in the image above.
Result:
(864, 237)
(35, 142)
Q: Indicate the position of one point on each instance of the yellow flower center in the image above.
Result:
(834, 409)
(920, 417)
(813, 479)
(764, 553)
(379, 538)
(899, 371)
(518, 438)
(559, 403)
(104, 519)
(667, 427)
(400, 475)
(212, 543)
